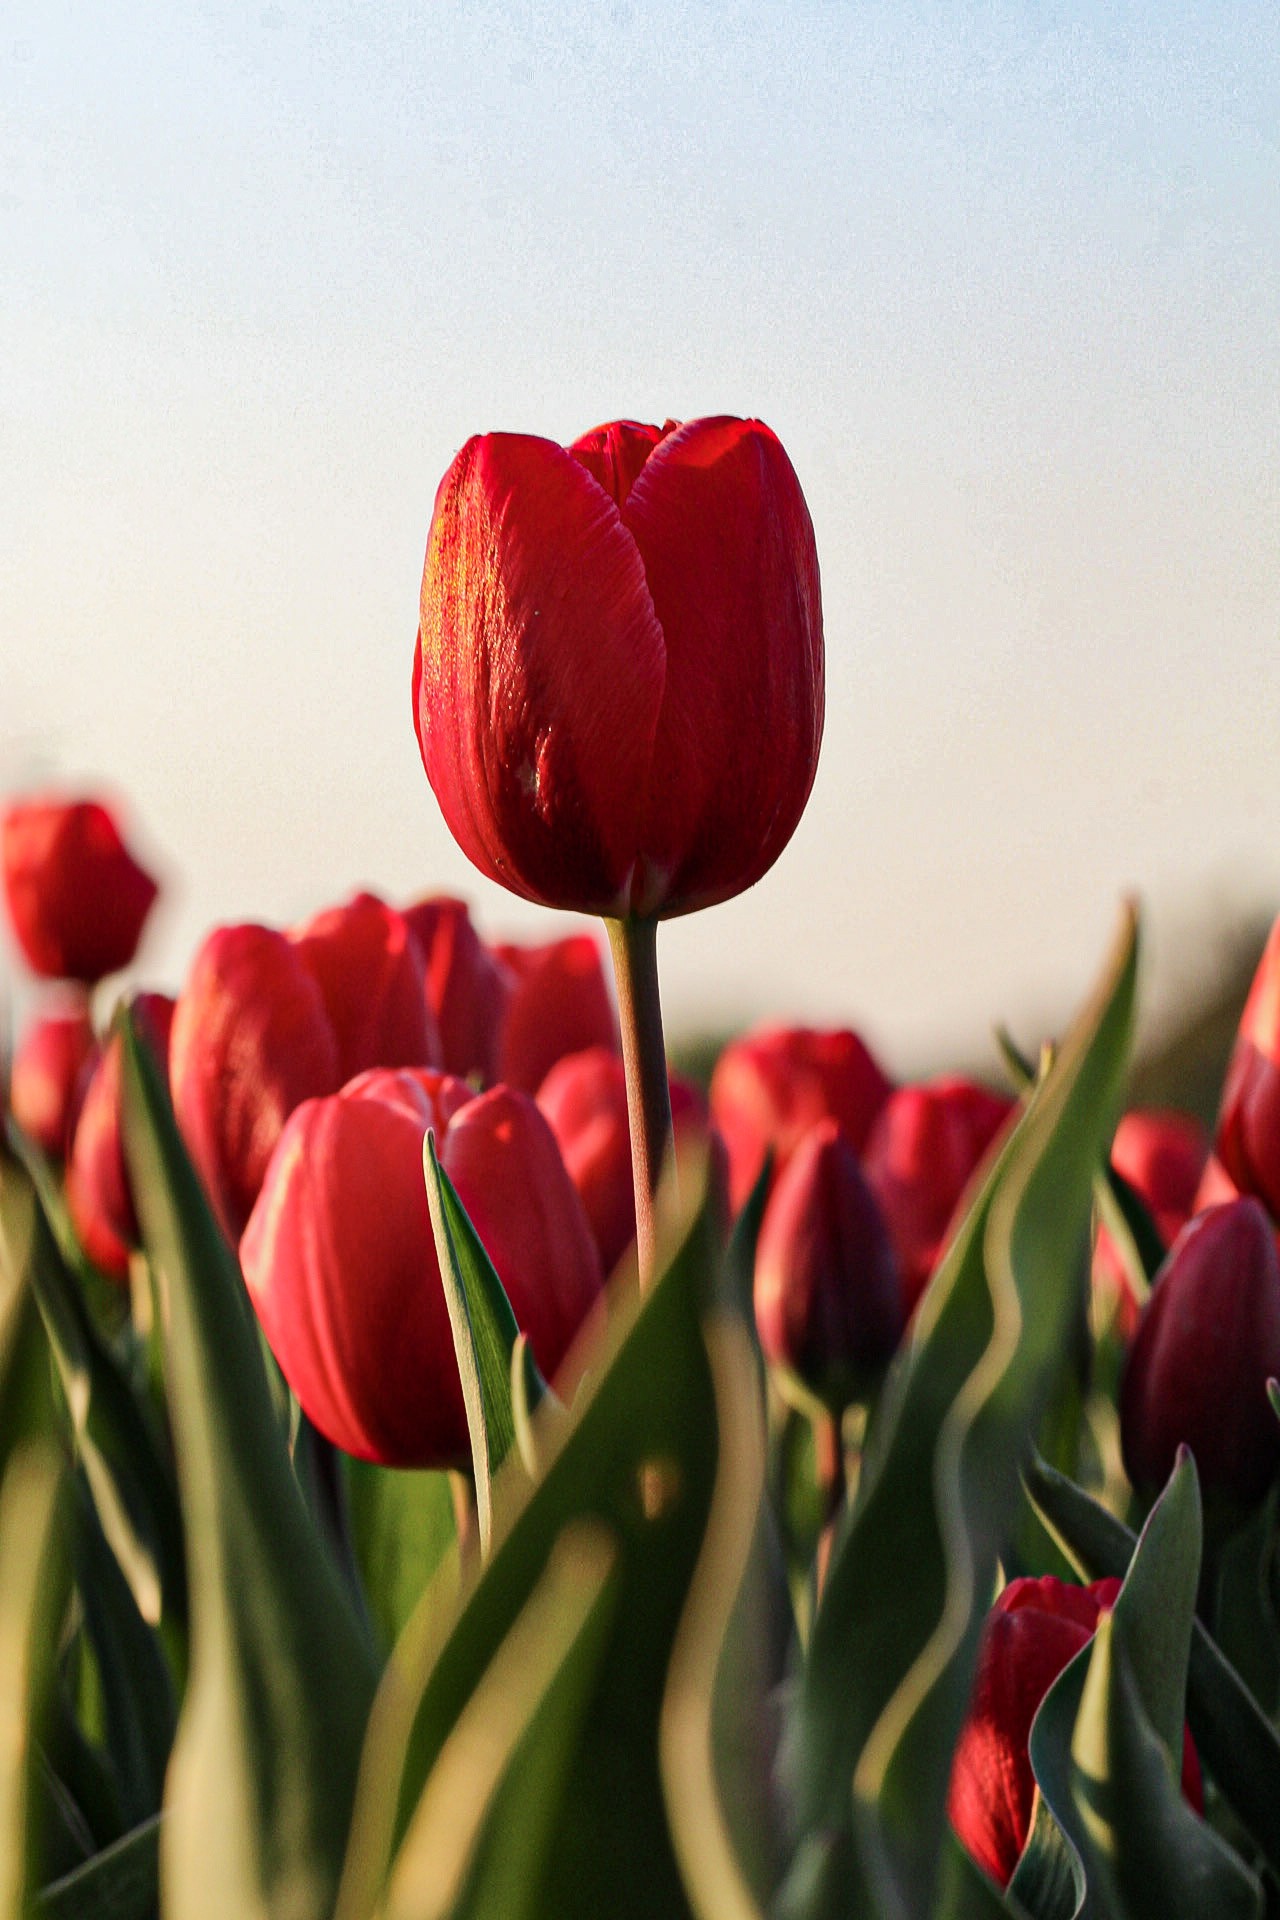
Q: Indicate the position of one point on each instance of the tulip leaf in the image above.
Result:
(964, 1891)
(404, 1532)
(484, 1332)
(29, 1627)
(262, 1778)
(637, 1450)
(120, 1883)
(1235, 1740)
(529, 1391)
(895, 1638)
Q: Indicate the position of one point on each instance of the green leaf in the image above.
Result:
(637, 1450)
(120, 1883)
(29, 1624)
(529, 1391)
(894, 1641)
(484, 1332)
(1234, 1738)
(404, 1533)
(964, 1891)
(263, 1773)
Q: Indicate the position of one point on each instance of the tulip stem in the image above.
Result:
(634, 945)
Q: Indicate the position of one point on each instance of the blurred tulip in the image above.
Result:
(1248, 1143)
(467, 987)
(341, 1264)
(98, 1192)
(558, 1003)
(76, 895)
(771, 1086)
(368, 967)
(51, 1068)
(584, 1100)
(1162, 1155)
(828, 1301)
(1196, 1373)
(618, 683)
(925, 1146)
(1034, 1630)
(251, 1039)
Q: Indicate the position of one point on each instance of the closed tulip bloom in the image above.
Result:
(1034, 1630)
(340, 1259)
(1196, 1373)
(51, 1068)
(584, 1100)
(77, 897)
(618, 683)
(251, 1039)
(828, 1300)
(99, 1196)
(771, 1086)
(1248, 1142)
(558, 1002)
(924, 1149)
(467, 987)
(368, 967)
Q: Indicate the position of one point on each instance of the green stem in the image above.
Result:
(634, 945)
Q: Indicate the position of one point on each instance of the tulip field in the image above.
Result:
(455, 1467)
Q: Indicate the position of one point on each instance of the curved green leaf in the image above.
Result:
(29, 1624)
(404, 1533)
(120, 1883)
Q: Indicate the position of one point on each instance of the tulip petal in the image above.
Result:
(729, 555)
(541, 673)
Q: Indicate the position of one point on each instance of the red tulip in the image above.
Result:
(584, 1100)
(1207, 1340)
(251, 1039)
(77, 897)
(467, 987)
(828, 1301)
(368, 967)
(558, 1002)
(1034, 1630)
(1248, 1143)
(1162, 1155)
(618, 683)
(923, 1150)
(98, 1191)
(50, 1072)
(770, 1087)
(341, 1265)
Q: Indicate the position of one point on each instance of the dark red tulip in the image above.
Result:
(1248, 1143)
(828, 1301)
(51, 1068)
(558, 1002)
(771, 1086)
(77, 897)
(251, 1039)
(1034, 1630)
(467, 987)
(98, 1192)
(618, 683)
(584, 1100)
(368, 967)
(340, 1259)
(1196, 1373)
(925, 1146)
(1162, 1155)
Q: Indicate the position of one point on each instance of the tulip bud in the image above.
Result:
(558, 1003)
(618, 683)
(340, 1259)
(1162, 1156)
(368, 967)
(1248, 1143)
(251, 1039)
(98, 1192)
(771, 1086)
(51, 1069)
(828, 1301)
(76, 895)
(925, 1146)
(1034, 1630)
(467, 987)
(1207, 1340)
(584, 1100)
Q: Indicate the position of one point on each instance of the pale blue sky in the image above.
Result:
(1005, 279)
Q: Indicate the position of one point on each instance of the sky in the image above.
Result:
(1005, 279)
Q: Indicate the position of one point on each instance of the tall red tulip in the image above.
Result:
(1248, 1143)
(467, 987)
(557, 1003)
(51, 1067)
(76, 895)
(618, 683)
(99, 1196)
(340, 1259)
